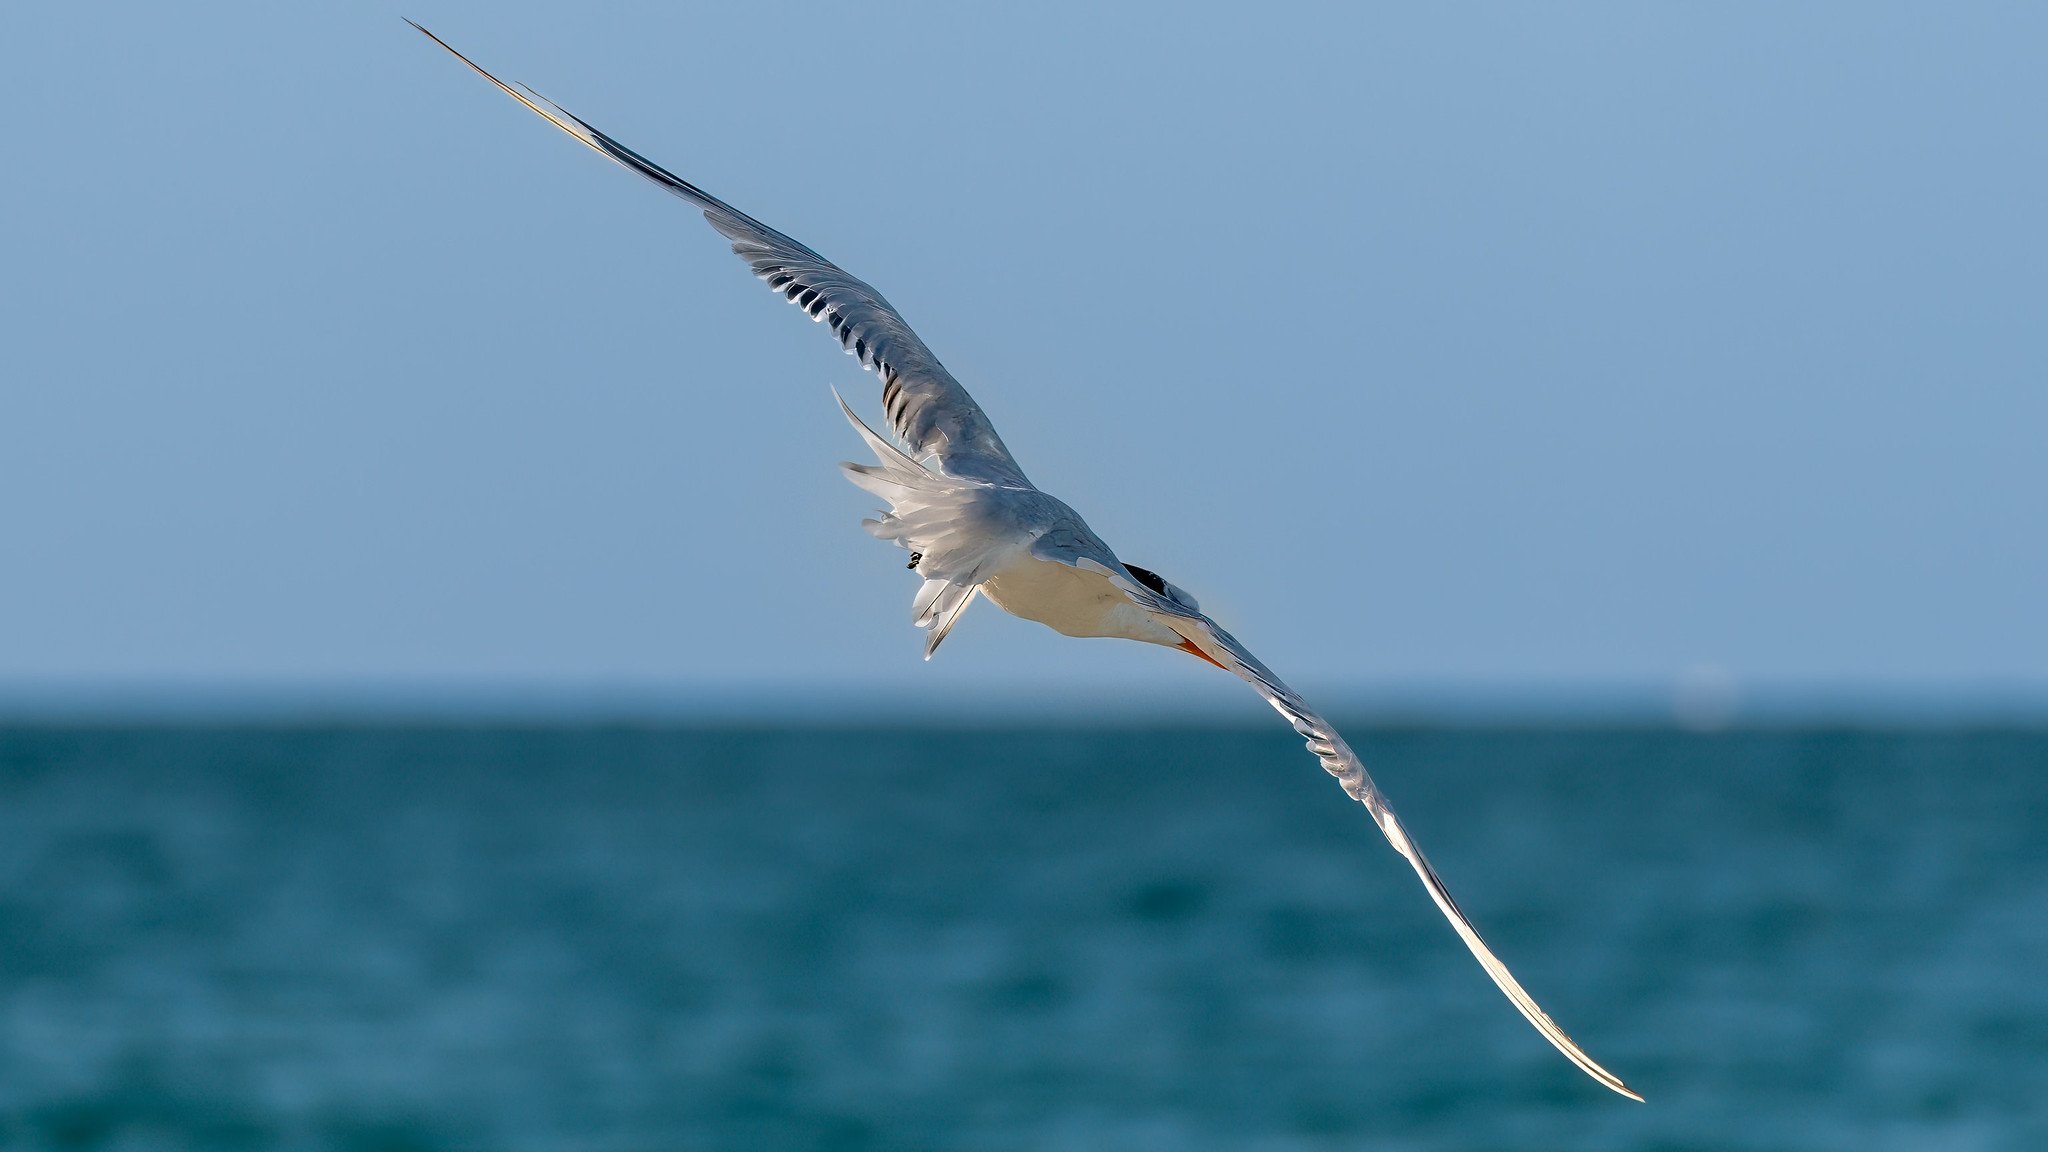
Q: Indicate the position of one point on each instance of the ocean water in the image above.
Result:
(1041, 938)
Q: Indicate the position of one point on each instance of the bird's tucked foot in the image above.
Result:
(914, 558)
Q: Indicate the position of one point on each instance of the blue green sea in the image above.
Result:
(1097, 937)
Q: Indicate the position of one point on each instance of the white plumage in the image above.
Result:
(974, 525)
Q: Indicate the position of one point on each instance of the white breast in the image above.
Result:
(1072, 600)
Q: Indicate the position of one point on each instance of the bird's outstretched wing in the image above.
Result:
(926, 405)
(1341, 762)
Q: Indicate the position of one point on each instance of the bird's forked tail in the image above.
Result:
(927, 514)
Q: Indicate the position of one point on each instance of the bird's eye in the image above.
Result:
(1147, 577)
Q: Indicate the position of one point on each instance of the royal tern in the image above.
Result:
(974, 525)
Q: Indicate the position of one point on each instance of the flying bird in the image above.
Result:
(974, 525)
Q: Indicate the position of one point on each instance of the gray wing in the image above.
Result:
(926, 405)
(1341, 762)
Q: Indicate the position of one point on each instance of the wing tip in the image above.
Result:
(1612, 1083)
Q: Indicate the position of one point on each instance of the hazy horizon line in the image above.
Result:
(1706, 707)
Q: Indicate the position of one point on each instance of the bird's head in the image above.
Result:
(1159, 584)
(1173, 594)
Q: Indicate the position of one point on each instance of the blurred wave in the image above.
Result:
(590, 937)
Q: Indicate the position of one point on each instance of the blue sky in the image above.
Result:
(1458, 348)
